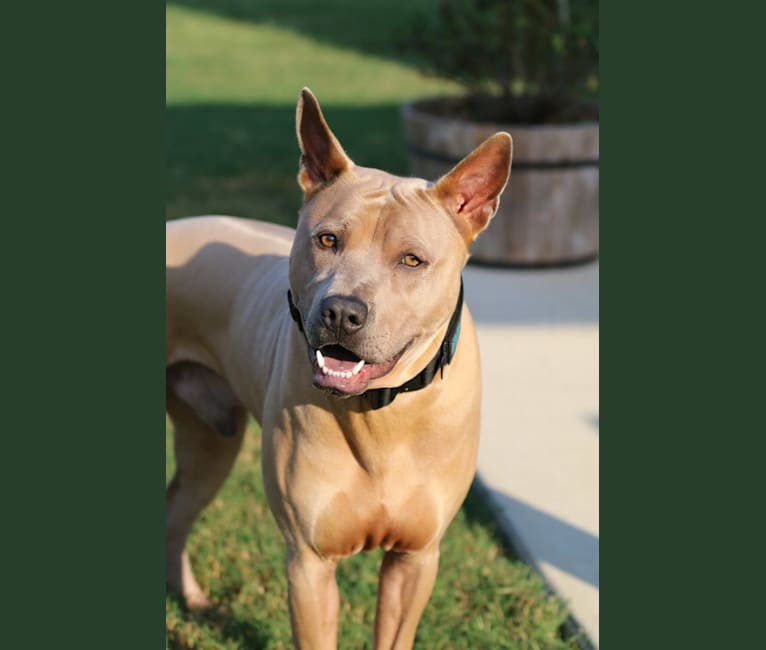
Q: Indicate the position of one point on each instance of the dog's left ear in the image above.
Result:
(471, 191)
(322, 159)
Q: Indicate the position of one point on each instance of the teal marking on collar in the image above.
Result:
(453, 345)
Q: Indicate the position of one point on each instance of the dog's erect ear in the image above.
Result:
(322, 156)
(471, 191)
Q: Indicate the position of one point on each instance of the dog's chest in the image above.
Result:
(354, 521)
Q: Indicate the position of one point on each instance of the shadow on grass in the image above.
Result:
(478, 513)
(374, 27)
(226, 625)
(242, 160)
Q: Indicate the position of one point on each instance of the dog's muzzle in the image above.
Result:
(342, 372)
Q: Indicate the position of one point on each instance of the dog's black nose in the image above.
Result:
(343, 315)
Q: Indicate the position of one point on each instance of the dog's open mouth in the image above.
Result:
(341, 371)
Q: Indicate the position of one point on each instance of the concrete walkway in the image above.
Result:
(538, 332)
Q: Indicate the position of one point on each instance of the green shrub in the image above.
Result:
(523, 61)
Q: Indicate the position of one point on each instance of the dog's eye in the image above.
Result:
(411, 260)
(327, 240)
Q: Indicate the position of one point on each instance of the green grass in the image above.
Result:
(483, 598)
(234, 70)
(232, 85)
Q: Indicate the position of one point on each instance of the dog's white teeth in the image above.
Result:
(336, 373)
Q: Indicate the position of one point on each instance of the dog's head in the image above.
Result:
(375, 265)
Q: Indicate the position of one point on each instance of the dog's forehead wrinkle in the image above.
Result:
(376, 184)
(407, 190)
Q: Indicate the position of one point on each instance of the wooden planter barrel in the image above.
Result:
(548, 213)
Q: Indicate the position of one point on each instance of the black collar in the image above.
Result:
(380, 397)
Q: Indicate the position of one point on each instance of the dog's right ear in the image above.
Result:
(322, 157)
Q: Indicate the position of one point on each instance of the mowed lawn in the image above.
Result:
(234, 70)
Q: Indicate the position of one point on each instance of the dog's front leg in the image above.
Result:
(313, 598)
(406, 582)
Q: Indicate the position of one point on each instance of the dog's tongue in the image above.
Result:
(338, 365)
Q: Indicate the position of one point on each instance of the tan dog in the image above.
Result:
(374, 272)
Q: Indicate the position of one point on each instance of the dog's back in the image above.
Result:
(208, 262)
(220, 271)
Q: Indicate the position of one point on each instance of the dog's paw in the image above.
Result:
(197, 601)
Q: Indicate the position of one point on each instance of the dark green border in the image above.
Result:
(681, 266)
(681, 262)
(82, 268)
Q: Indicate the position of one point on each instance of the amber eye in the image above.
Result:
(411, 261)
(327, 240)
